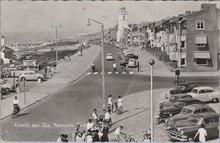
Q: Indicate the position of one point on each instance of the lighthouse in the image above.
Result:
(122, 23)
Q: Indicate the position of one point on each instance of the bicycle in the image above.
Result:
(15, 112)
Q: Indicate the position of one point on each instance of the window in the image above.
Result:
(204, 110)
(197, 111)
(209, 90)
(208, 120)
(183, 62)
(202, 91)
(200, 25)
(201, 62)
(216, 119)
(123, 17)
(182, 45)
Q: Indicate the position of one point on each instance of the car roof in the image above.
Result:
(205, 114)
(196, 106)
(202, 87)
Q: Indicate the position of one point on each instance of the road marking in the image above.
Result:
(116, 72)
(88, 73)
(131, 72)
(109, 72)
(123, 72)
(95, 73)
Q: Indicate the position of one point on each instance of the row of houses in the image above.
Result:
(191, 39)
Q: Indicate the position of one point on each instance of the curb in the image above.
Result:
(74, 80)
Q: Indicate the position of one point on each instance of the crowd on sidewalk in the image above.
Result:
(98, 126)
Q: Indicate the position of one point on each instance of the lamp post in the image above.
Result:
(56, 27)
(103, 62)
(151, 62)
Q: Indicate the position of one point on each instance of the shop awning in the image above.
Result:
(202, 55)
(201, 39)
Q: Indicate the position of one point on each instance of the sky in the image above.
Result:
(26, 19)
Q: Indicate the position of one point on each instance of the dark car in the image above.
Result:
(131, 56)
(174, 108)
(185, 130)
(189, 110)
(183, 88)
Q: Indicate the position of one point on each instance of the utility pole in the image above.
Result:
(56, 27)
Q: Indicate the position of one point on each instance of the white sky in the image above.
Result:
(30, 17)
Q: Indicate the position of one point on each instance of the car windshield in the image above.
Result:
(194, 91)
(194, 120)
(186, 111)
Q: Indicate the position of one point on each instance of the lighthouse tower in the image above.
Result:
(122, 23)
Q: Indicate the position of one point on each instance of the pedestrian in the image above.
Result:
(118, 132)
(115, 107)
(110, 105)
(76, 132)
(60, 138)
(89, 125)
(202, 133)
(138, 66)
(120, 102)
(105, 132)
(80, 137)
(121, 65)
(93, 66)
(95, 115)
(65, 138)
(89, 138)
(114, 66)
(95, 137)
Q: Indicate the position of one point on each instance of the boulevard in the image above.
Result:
(59, 113)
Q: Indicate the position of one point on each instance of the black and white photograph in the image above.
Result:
(109, 71)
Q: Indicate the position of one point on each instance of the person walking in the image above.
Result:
(120, 107)
(110, 104)
(95, 137)
(105, 132)
(76, 132)
(114, 66)
(94, 116)
(202, 133)
(93, 67)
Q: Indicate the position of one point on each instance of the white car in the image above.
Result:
(109, 56)
(132, 63)
(205, 94)
(7, 85)
(31, 75)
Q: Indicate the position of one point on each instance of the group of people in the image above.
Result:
(97, 127)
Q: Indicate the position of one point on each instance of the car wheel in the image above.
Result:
(7, 75)
(39, 80)
(22, 79)
(215, 100)
(8, 90)
(191, 140)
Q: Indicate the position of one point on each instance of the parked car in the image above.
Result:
(183, 88)
(175, 108)
(109, 56)
(205, 94)
(173, 98)
(189, 110)
(7, 85)
(132, 63)
(185, 130)
(4, 91)
(31, 75)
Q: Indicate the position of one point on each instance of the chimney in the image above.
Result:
(206, 6)
(187, 12)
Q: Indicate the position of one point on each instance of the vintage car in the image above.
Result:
(175, 108)
(109, 56)
(7, 85)
(31, 75)
(132, 63)
(183, 88)
(185, 130)
(205, 94)
(189, 110)
(174, 97)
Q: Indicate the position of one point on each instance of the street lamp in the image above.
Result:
(151, 62)
(56, 27)
(103, 62)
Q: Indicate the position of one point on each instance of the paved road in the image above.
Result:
(60, 112)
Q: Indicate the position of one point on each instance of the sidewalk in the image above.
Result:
(160, 69)
(66, 73)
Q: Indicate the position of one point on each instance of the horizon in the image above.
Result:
(24, 20)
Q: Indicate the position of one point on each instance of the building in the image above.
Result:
(6, 53)
(191, 39)
(122, 24)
